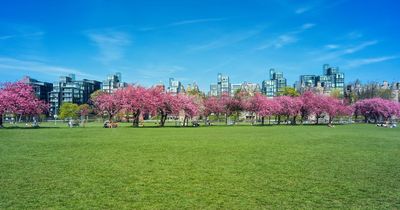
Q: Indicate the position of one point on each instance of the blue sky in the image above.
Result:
(150, 41)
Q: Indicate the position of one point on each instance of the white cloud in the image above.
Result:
(307, 26)
(111, 44)
(287, 38)
(11, 64)
(23, 35)
(153, 71)
(226, 40)
(193, 21)
(346, 51)
(365, 61)
(332, 46)
(183, 22)
(359, 47)
(302, 10)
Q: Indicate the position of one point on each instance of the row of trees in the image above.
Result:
(135, 101)
(18, 99)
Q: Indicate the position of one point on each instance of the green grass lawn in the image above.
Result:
(238, 167)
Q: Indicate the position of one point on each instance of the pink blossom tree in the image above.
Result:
(212, 105)
(376, 109)
(189, 107)
(262, 106)
(289, 107)
(108, 103)
(231, 105)
(19, 99)
(168, 104)
(137, 101)
(335, 107)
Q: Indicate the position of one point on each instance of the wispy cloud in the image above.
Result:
(154, 71)
(183, 22)
(302, 10)
(306, 26)
(26, 35)
(339, 52)
(359, 47)
(111, 44)
(286, 38)
(12, 64)
(193, 21)
(365, 61)
(332, 46)
(226, 40)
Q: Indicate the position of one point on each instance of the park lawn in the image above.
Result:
(237, 167)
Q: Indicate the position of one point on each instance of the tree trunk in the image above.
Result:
(1, 121)
(163, 119)
(317, 118)
(279, 119)
(135, 122)
(262, 120)
(294, 120)
(226, 119)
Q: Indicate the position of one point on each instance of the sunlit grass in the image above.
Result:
(229, 167)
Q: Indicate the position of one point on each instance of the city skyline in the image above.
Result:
(149, 42)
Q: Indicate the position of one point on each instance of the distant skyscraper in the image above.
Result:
(175, 86)
(213, 90)
(275, 84)
(41, 89)
(235, 88)
(67, 89)
(113, 82)
(224, 85)
(332, 79)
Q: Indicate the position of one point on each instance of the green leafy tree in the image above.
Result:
(289, 91)
(69, 110)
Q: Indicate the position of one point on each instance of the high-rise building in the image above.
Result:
(332, 79)
(224, 85)
(113, 82)
(235, 88)
(213, 90)
(276, 83)
(68, 89)
(41, 89)
(175, 86)
(269, 88)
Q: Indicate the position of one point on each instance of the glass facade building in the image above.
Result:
(275, 84)
(67, 89)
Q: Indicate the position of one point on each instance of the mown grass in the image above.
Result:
(237, 167)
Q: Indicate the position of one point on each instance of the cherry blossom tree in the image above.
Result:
(376, 109)
(289, 107)
(262, 106)
(137, 101)
(108, 103)
(231, 105)
(189, 107)
(19, 99)
(212, 105)
(168, 104)
(335, 107)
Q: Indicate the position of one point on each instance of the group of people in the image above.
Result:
(387, 125)
(110, 124)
